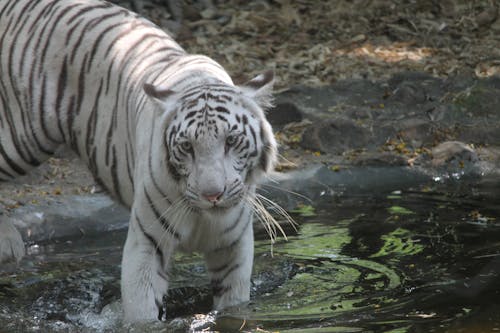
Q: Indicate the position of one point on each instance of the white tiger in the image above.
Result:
(167, 133)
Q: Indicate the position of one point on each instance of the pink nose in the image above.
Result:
(212, 197)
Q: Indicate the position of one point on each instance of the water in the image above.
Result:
(419, 258)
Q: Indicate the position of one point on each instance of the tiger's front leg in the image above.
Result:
(230, 270)
(144, 279)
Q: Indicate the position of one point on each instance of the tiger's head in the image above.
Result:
(217, 141)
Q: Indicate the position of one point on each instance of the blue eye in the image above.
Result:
(231, 140)
(186, 146)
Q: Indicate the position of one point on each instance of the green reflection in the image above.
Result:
(398, 242)
(328, 282)
(398, 210)
(316, 241)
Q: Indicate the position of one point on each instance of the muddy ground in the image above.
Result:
(359, 83)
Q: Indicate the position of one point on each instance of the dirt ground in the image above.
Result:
(318, 42)
(306, 42)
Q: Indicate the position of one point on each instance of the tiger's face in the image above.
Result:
(218, 143)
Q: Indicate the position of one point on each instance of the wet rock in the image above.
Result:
(416, 131)
(271, 276)
(485, 18)
(414, 83)
(335, 136)
(380, 159)
(451, 159)
(187, 300)
(453, 152)
(68, 216)
(409, 92)
(203, 322)
(481, 99)
(480, 133)
(65, 298)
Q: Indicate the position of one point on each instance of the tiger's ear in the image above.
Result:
(162, 96)
(157, 92)
(260, 89)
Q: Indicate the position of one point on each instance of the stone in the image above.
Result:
(284, 113)
(452, 152)
(335, 136)
(380, 159)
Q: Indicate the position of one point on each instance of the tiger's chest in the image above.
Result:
(208, 232)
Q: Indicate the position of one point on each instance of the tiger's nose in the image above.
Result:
(213, 197)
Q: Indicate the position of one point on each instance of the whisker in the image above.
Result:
(279, 210)
(282, 157)
(273, 224)
(287, 191)
(169, 214)
(265, 219)
(268, 221)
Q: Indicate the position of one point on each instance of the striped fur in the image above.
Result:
(165, 132)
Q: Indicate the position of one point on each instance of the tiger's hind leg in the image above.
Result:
(17, 157)
(11, 242)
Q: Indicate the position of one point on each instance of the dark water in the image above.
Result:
(419, 259)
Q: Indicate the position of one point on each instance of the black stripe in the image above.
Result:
(234, 242)
(191, 114)
(81, 86)
(151, 239)
(164, 222)
(5, 172)
(56, 24)
(38, 19)
(110, 132)
(89, 26)
(92, 122)
(42, 111)
(219, 290)
(100, 37)
(150, 167)
(217, 284)
(12, 164)
(236, 222)
(71, 31)
(61, 87)
(222, 118)
(69, 124)
(130, 167)
(17, 95)
(86, 9)
(40, 41)
(222, 109)
(114, 175)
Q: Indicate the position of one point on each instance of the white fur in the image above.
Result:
(133, 97)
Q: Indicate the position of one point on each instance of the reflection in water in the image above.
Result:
(424, 259)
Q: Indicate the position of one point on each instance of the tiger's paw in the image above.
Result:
(11, 242)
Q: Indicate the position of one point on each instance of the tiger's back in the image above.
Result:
(167, 133)
(68, 65)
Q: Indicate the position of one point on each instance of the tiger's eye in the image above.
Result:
(231, 140)
(186, 146)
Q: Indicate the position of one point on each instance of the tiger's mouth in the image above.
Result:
(220, 206)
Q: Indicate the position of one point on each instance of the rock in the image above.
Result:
(409, 92)
(416, 131)
(335, 136)
(71, 215)
(487, 17)
(284, 113)
(453, 152)
(380, 159)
